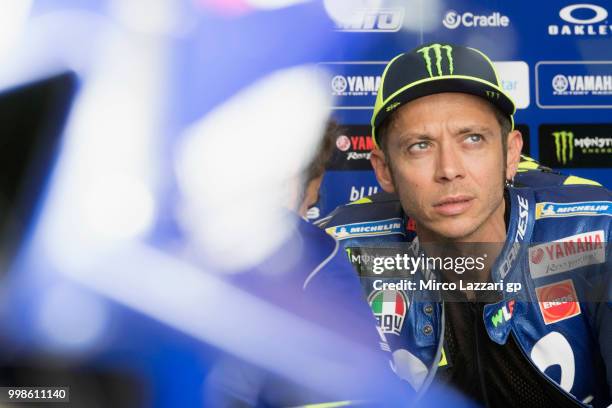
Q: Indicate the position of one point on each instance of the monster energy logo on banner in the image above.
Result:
(563, 140)
(437, 51)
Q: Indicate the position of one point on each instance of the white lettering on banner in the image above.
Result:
(364, 83)
(582, 84)
(358, 156)
(590, 82)
(373, 20)
(375, 228)
(453, 19)
(358, 85)
(582, 208)
(358, 193)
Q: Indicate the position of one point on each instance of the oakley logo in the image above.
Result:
(566, 14)
(564, 146)
(439, 57)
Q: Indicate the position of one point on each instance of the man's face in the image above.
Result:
(445, 161)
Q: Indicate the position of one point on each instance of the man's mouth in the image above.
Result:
(453, 205)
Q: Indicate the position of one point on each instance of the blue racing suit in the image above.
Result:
(556, 248)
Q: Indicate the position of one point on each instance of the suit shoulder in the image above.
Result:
(572, 201)
(380, 214)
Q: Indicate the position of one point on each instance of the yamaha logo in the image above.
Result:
(537, 256)
(338, 84)
(343, 143)
(582, 84)
(560, 83)
(355, 85)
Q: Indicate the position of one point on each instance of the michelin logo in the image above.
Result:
(586, 208)
(366, 229)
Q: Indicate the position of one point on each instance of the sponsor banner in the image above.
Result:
(354, 145)
(574, 84)
(364, 20)
(558, 301)
(390, 308)
(584, 208)
(341, 187)
(359, 192)
(514, 76)
(366, 229)
(567, 254)
(575, 145)
(354, 85)
(472, 20)
(580, 20)
(353, 149)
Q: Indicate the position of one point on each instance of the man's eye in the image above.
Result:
(474, 138)
(418, 146)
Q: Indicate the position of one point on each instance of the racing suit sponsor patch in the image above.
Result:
(366, 229)
(558, 301)
(585, 208)
(389, 307)
(566, 254)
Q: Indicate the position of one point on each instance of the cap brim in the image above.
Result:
(437, 85)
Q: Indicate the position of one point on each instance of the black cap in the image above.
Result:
(436, 68)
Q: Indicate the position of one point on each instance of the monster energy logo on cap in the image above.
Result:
(437, 51)
(564, 146)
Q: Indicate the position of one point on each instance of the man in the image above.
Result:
(447, 150)
(309, 279)
(312, 176)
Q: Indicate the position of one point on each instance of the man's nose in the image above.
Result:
(449, 163)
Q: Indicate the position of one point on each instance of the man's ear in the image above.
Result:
(382, 170)
(515, 145)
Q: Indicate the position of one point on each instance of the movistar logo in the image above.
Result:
(440, 58)
(564, 146)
